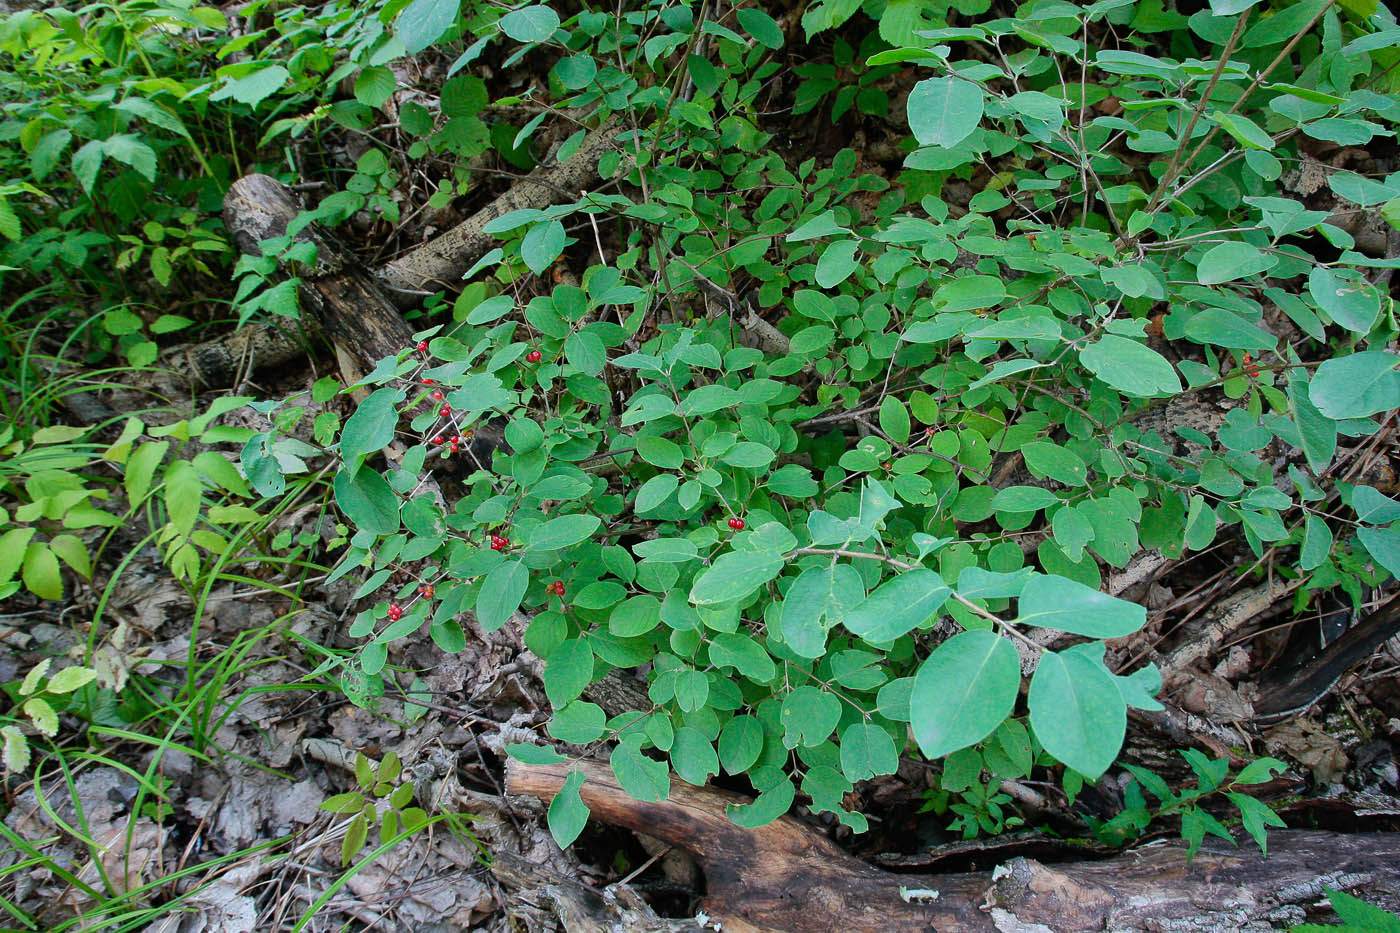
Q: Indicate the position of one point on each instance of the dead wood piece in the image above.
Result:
(1224, 619)
(580, 908)
(340, 294)
(441, 262)
(785, 877)
(219, 363)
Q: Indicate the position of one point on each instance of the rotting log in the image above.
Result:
(440, 262)
(787, 877)
(341, 295)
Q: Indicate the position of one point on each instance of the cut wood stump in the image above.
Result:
(786, 877)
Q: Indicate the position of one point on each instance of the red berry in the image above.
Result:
(437, 396)
(428, 382)
(422, 346)
(453, 448)
(737, 524)
(438, 439)
(534, 356)
(445, 410)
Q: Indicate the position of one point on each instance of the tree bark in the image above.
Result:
(786, 877)
(441, 262)
(364, 325)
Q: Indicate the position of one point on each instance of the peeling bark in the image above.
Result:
(786, 877)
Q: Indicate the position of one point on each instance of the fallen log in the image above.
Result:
(341, 295)
(440, 262)
(787, 877)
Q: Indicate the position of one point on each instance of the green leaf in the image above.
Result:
(808, 716)
(1130, 367)
(1077, 711)
(1058, 463)
(867, 751)
(423, 22)
(70, 679)
(183, 494)
(894, 419)
(367, 501)
(654, 492)
(693, 756)
(129, 150)
(1382, 543)
(769, 805)
(735, 575)
(141, 469)
(761, 26)
(1347, 298)
(748, 657)
(1023, 499)
(1226, 329)
(568, 670)
(1246, 132)
(641, 777)
(567, 813)
(969, 293)
(578, 723)
(822, 225)
(1357, 913)
(1356, 386)
(253, 89)
(1317, 543)
(1317, 432)
(374, 85)
(371, 428)
(561, 532)
(945, 111)
(534, 754)
(740, 744)
(1226, 262)
(837, 262)
(963, 691)
(501, 593)
(1059, 603)
(898, 605)
(530, 24)
(1257, 817)
(542, 245)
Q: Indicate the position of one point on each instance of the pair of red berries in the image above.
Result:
(395, 612)
(534, 356)
(557, 588)
(426, 591)
(445, 410)
(498, 543)
(737, 524)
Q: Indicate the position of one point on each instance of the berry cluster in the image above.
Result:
(533, 356)
(395, 612)
(557, 587)
(737, 524)
(498, 543)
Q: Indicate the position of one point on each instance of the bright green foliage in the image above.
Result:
(1212, 777)
(380, 799)
(1357, 917)
(916, 341)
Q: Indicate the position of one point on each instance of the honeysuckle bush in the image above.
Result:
(1130, 239)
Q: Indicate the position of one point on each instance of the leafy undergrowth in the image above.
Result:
(910, 380)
